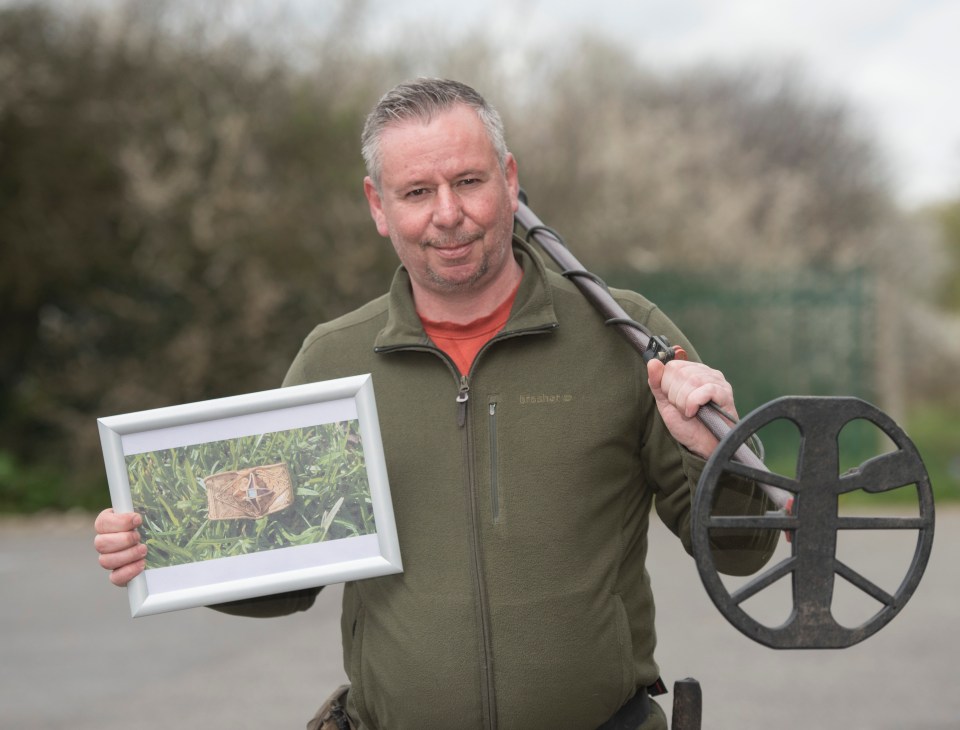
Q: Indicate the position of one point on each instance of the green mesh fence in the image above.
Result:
(775, 334)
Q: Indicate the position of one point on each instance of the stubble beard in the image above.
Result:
(457, 284)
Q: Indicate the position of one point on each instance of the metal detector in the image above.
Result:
(807, 503)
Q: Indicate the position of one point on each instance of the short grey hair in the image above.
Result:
(422, 99)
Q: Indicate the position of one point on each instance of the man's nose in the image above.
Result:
(448, 211)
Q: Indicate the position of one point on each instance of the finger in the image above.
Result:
(122, 576)
(115, 541)
(109, 521)
(655, 371)
(719, 393)
(680, 380)
(121, 558)
(704, 394)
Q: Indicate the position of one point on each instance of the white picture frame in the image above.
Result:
(157, 450)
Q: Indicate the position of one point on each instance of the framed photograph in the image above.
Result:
(254, 494)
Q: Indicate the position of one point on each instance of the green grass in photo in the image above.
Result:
(331, 494)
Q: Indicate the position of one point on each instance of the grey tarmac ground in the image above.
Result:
(72, 657)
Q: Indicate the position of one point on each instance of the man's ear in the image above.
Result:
(513, 180)
(376, 206)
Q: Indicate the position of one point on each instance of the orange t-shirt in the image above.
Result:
(462, 342)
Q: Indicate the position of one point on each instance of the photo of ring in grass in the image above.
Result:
(253, 493)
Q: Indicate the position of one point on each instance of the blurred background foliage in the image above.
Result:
(180, 203)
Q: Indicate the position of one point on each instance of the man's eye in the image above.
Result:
(469, 181)
(417, 192)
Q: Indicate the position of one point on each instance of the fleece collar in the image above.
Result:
(532, 309)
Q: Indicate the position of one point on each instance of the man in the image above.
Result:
(525, 445)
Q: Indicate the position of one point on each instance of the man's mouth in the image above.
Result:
(454, 249)
(452, 252)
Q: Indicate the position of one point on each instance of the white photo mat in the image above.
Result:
(223, 579)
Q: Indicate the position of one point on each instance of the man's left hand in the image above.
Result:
(680, 388)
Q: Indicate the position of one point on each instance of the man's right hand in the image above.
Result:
(118, 543)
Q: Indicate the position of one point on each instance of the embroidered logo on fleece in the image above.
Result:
(545, 398)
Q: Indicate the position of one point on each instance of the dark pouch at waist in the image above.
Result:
(332, 715)
(632, 715)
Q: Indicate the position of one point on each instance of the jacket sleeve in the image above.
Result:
(280, 604)
(675, 472)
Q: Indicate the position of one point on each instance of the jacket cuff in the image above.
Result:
(280, 604)
(735, 552)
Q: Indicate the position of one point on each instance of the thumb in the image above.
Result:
(655, 375)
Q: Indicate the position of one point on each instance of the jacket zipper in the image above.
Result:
(463, 395)
(487, 694)
(494, 462)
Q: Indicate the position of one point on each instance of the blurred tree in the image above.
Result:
(932, 325)
(176, 213)
(705, 168)
(948, 216)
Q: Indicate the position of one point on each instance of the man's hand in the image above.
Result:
(680, 387)
(118, 543)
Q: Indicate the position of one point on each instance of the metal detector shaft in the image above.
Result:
(598, 295)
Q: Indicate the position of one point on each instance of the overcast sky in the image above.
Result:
(896, 61)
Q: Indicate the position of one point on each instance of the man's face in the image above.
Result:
(444, 202)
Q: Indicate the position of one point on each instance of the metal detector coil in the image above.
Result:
(813, 521)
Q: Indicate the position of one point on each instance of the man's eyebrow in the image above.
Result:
(423, 183)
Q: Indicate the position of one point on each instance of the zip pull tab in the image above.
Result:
(462, 396)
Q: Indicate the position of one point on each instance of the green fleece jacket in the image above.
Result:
(521, 492)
